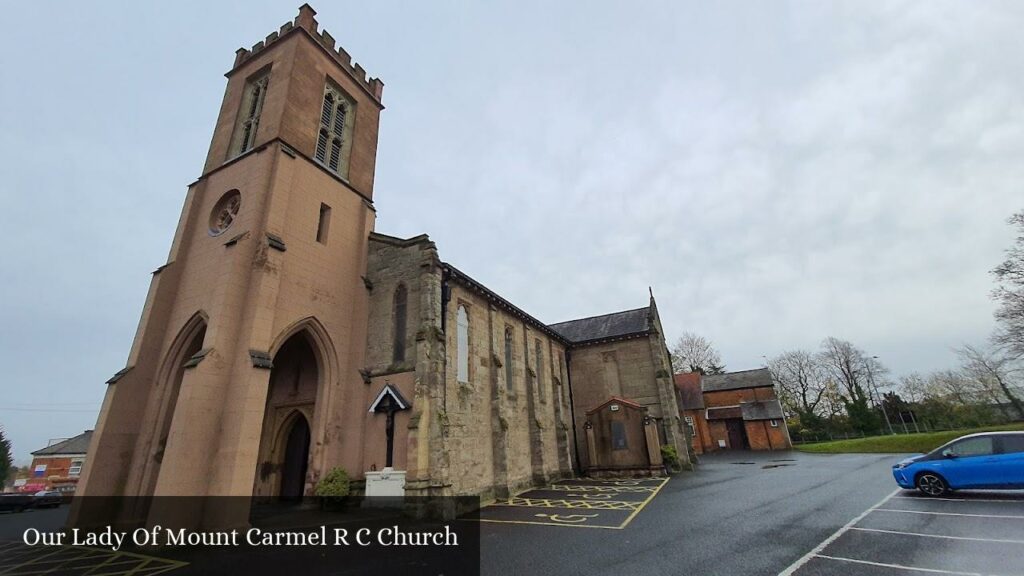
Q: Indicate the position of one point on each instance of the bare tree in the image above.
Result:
(852, 371)
(695, 353)
(1009, 293)
(801, 382)
(992, 374)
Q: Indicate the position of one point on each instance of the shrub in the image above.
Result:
(670, 457)
(336, 483)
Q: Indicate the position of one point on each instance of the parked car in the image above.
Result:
(16, 502)
(47, 499)
(990, 460)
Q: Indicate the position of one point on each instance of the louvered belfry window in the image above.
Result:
(331, 139)
(252, 105)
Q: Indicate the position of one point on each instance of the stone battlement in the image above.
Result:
(306, 20)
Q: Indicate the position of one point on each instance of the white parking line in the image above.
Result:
(931, 498)
(806, 557)
(1001, 541)
(898, 566)
(948, 513)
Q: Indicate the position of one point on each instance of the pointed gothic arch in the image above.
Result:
(187, 344)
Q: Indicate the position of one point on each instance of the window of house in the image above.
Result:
(334, 116)
(508, 358)
(773, 423)
(537, 363)
(76, 468)
(323, 224)
(619, 436)
(462, 343)
(689, 424)
(39, 470)
(249, 116)
(399, 312)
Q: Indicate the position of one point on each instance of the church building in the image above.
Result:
(285, 337)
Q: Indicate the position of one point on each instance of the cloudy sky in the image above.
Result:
(777, 172)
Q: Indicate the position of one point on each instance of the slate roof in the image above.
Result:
(77, 445)
(757, 378)
(688, 384)
(762, 410)
(606, 326)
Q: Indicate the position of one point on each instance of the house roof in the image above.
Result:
(757, 378)
(617, 400)
(762, 410)
(688, 384)
(77, 445)
(605, 326)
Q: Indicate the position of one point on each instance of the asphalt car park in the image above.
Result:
(969, 532)
(579, 503)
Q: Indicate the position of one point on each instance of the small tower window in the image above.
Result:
(324, 224)
(401, 298)
(331, 139)
(462, 344)
(509, 384)
(249, 116)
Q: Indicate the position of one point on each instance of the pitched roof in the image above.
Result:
(757, 378)
(606, 326)
(762, 410)
(688, 384)
(617, 400)
(77, 445)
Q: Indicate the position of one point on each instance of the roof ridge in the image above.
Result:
(601, 315)
(736, 371)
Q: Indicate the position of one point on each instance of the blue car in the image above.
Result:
(990, 460)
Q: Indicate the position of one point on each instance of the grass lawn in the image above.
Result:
(899, 443)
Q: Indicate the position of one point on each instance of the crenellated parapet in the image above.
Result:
(306, 20)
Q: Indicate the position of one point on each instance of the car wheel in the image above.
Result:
(931, 484)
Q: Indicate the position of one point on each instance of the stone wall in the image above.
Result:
(503, 436)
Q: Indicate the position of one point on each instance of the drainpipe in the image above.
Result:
(572, 413)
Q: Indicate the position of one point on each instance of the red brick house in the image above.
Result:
(733, 411)
(59, 465)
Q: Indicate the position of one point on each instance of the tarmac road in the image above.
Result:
(739, 513)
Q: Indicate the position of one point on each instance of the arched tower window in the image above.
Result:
(462, 343)
(509, 384)
(331, 138)
(249, 115)
(399, 313)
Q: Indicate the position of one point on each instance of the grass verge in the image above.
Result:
(899, 443)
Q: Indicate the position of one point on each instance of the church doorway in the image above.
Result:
(284, 456)
(296, 459)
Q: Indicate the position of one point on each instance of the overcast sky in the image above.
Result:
(777, 172)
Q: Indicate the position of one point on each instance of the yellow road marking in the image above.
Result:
(618, 505)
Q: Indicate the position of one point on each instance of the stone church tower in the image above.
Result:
(252, 327)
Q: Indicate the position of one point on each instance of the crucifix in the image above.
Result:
(389, 402)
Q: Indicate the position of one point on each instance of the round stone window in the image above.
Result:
(224, 212)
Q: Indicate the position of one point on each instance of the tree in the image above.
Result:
(802, 385)
(992, 373)
(6, 460)
(850, 369)
(694, 353)
(1009, 293)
